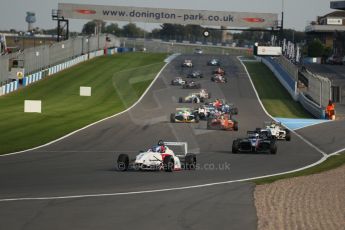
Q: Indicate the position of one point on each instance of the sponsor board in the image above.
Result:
(269, 50)
(334, 21)
(174, 16)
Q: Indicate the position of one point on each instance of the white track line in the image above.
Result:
(167, 60)
(324, 157)
(162, 190)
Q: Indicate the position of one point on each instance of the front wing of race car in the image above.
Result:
(178, 118)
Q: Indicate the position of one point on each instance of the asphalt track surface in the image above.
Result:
(84, 164)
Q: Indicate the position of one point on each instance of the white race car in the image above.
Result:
(159, 157)
(187, 63)
(178, 81)
(276, 130)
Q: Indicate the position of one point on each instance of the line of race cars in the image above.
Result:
(218, 114)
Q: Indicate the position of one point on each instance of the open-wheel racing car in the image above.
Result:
(178, 81)
(276, 130)
(214, 109)
(187, 63)
(219, 71)
(184, 115)
(219, 78)
(225, 107)
(159, 158)
(222, 122)
(213, 62)
(191, 85)
(191, 98)
(255, 142)
(195, 74)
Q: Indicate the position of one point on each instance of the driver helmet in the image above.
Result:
(156, 149)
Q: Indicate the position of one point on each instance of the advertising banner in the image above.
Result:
(174, 16)
(269, 50)
(334, 21)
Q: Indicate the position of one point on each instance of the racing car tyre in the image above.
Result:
(287, 135)
(197, 119)
(235, 146)
(195, 100)
(202, 100)
(273, 147)
(123, 162)
(180, 100)
(168, 163)
(236, 126)
(172, 82)
(172, 118)
(208, 124)
(235, 111)
(190, 161)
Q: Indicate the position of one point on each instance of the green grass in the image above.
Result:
(63, 110)
(273, 95)
(331, 163)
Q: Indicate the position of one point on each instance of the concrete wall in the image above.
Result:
(42, 57)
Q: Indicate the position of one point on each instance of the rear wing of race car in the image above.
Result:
(252, 132)
(184, 145)
(182, 109)
(269, 123)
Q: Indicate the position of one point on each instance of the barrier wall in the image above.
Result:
(53, 70)
(288, 66)
(311, 107)
(319, 88)
(289, 84)
(9, 88)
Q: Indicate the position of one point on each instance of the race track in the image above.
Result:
(84, 164)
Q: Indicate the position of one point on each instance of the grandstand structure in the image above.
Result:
(330, 29)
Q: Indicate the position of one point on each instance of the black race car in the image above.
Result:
(195, 74)
(192, 85)
(255, 142)
(213, 62)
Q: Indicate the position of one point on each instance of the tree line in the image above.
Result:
(191, 33)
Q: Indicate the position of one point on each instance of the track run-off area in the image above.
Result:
(73, 182)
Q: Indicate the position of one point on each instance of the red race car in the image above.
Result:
(219, 71)
(222, 122)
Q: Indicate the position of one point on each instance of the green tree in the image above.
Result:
(316, 48)
(89, 27)
(113, 28)
(131, 30)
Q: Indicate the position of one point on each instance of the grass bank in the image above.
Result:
(63, 110)
(273, 95)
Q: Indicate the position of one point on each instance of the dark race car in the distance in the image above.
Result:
(255, 142)
(192, 85)
(195, 74)
(213, 62)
